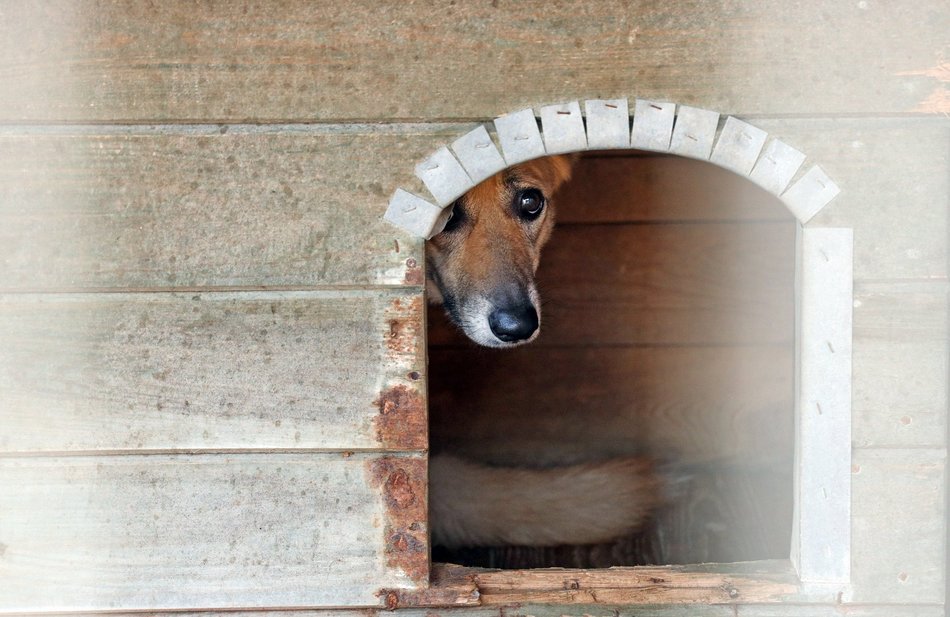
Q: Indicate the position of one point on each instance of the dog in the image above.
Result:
(481, 269)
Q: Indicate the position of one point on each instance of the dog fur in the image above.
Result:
(481, 265)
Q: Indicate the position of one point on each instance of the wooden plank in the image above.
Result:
(93, 61)
(703, 584)
(90, 209)
(689, 284)
(683, 404)
(899, 525)
(634, 188)
(900, 364)
(334, 369)
(70, 216)
(204, 532)
(837, 610)
(895, 190)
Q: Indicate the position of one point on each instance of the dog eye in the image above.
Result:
(530, 203)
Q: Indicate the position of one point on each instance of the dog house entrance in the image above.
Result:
(668, 333)
(680, 323)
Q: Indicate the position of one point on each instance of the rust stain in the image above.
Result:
(401, 422)
(404, 334)
(938, 101)
(403, 483)
(414, 273)
(449, 586)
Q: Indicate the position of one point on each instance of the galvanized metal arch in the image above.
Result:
(657, 126)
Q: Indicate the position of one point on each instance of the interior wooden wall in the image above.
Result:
(191, 237)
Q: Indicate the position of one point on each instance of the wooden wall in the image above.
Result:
(208, 335)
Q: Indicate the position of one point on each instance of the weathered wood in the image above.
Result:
(122, 210)
(683, 404)
(616, 188)
(900, 364)
(212, 531)
(789, 609)
(899, 525)
(69, 217)
(303, 61)
(687, 284)
(785, 609)
(708, 584)
(895, 190)
(333, 369)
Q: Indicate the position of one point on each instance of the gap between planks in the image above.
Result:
(408, 126)
(356, 453)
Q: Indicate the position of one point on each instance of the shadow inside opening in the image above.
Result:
(667, 332)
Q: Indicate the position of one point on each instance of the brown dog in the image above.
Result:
(481, 268)
(482, 265)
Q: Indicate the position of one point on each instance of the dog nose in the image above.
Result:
(513, 324)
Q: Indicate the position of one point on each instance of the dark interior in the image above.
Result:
(668, 331)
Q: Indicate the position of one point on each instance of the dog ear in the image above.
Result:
(563, 167)
(551, 171)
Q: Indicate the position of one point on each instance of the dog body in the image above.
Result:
(481, 268)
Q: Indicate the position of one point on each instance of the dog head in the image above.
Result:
(481, 266)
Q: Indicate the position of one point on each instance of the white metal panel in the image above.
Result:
(738, 146)
(608, 123)
(652, 125)
(563, 128)
(822, 548)
(777, 166)
(810, 194)
(519, 136)
(416, 215)
(478, 154)
(444, 176)
(694, 132)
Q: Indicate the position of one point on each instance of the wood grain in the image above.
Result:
(97, 61)
(895, 190)
(535, 406)
(122, 210)
(900, 365)
(209, 371)
(633, 187)
(294, 208)
(899, 525)
(705, 584)
(213, 531)
(684, 284)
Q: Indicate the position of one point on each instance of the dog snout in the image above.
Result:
(515, 323)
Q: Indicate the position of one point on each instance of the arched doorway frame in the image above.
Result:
(820, 548)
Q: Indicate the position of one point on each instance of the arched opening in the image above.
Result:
(667, 332)
(723, 310)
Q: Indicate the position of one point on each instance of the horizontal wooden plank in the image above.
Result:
(895, 190)
(663, 284)
(533, 405)
(369, 60)
(703, 584)
(899, 525)
(124, 210)
(334, 369)
(900, 365)
(203, 532)
(635, 188)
